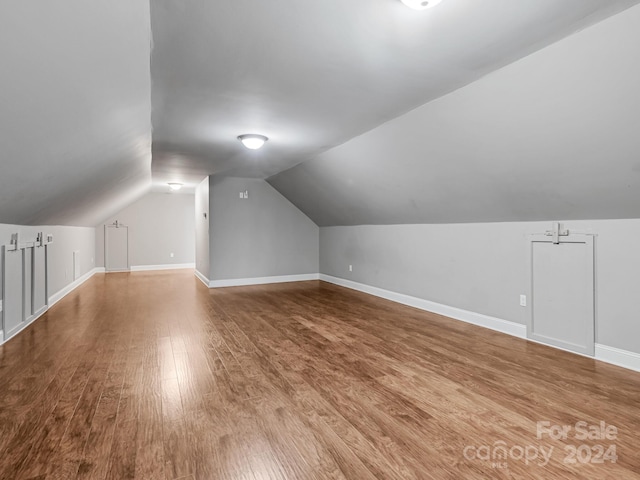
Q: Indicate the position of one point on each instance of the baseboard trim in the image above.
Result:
(603, 353)
(56, 297)
(241, 282)
(202, 278)
(617, 356)
(486, 321)
(151, 268)
(28, 322)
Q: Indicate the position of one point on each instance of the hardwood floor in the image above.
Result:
(151, 375)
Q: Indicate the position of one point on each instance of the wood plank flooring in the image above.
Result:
(153, 376)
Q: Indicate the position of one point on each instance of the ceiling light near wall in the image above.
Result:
(175, 186)
(421, 4)
(253, 141)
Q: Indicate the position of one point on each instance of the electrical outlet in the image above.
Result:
(523, 300)
(351, 268)
(241, 194)
(171, 254)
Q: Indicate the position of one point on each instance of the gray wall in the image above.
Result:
(554, 135)
(262, 236)
(66, 240)
(159, 224)
(481, 267)
(202, 227)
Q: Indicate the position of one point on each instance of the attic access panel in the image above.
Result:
(562, 292)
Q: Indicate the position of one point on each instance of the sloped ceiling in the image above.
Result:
(75, 103)
(76, 97)
(312, 75)
(555, 135)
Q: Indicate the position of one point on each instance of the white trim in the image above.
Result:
(202, 278)
(240, 282)
(619, 357)
(59, 295)
(28, 322)
(149, 268)
(603, 353)
(40, 312)
(493, 323)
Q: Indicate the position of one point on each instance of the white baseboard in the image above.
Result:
(151, 268)
(202, 278)
(619, 357)
(56, 297)
(28, 322)
(603, 353)
(240, 282)
(493, 323)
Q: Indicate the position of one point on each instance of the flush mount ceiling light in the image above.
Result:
(175, 186)
(421, 4)
(253, 141)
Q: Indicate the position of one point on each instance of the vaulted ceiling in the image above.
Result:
(79, 97)
(312, 75)
(75, 101)
(553, 136)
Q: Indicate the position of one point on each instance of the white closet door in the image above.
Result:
(116, 248)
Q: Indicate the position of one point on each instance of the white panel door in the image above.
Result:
(27, 289)
(561, 307)
(13, 304)
(116, 248)
(40, 293)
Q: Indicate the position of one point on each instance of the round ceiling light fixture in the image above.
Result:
(175, 186)
(421, 4)
(253, 141)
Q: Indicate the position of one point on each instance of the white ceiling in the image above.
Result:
(553, 136)
(312, 75)
(75, 129)
(78, 94)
